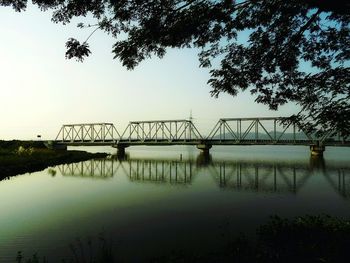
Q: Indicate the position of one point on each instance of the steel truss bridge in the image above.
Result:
(229, 131)
(237, 176)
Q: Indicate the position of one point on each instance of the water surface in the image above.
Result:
(160, 200)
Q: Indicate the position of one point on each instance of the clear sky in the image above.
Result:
(41, 90)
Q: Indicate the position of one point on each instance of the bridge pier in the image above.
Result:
(317, 149)
(120, 150)
(204, 148)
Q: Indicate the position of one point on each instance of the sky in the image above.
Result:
(40, 90)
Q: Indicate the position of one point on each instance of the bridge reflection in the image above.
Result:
(98, 168)
(156, 171)
(260, 177)
(341, 182)
(266, 177)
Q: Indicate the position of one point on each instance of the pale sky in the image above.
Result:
(41, 90)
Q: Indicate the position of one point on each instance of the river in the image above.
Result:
(163, 200)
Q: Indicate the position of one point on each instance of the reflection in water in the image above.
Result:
(266, 177)
(151, 206)
(204, 159)
(99, 168)
(341, 182)
(173, 172)
(317, 163)
(260, 178)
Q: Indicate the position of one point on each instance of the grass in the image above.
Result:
(17, 157)
(306, 239)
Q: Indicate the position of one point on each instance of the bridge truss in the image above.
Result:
(90, 132)
(265, 131)
(227, 131)
(164, 130)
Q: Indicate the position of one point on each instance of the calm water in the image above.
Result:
(168, 199)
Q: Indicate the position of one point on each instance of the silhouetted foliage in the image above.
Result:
(92, 251)
(34, 259)
(297, 51)
(302, 239)
(306, 239)
(77, 50)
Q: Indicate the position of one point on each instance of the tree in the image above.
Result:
(297, 51)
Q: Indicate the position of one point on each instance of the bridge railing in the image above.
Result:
(163, 130)
(88, 132)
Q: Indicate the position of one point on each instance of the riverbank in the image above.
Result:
(18, 157)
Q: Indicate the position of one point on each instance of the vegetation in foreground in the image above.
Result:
(302, 239)
(17, 157)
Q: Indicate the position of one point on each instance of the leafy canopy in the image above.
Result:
(297, 51)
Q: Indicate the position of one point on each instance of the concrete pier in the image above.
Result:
(204, 148)
(120, 150)
(317, 150)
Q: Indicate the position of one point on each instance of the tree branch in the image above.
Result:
(242, 4)
(98, 27)
(308, 23)
(92, 34)
(185, 5)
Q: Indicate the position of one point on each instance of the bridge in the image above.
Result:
(227, 131)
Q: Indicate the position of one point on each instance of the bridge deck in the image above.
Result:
(127, 143)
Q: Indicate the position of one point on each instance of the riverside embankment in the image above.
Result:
(18, 157)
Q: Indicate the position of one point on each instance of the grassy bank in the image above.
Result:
(18, 157)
